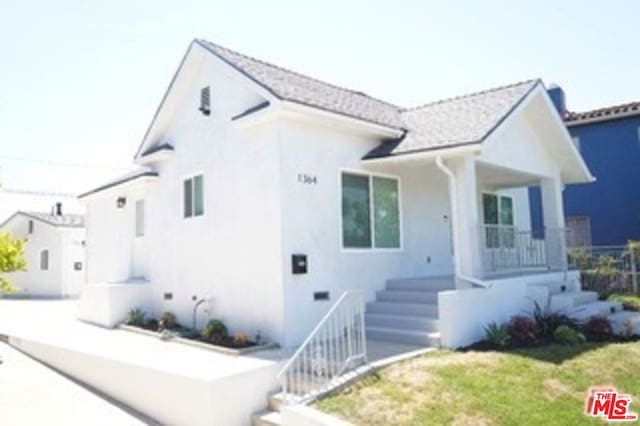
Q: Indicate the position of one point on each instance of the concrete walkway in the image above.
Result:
(33, 394)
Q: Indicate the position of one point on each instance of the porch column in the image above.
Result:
(466, 222)
(554, 225)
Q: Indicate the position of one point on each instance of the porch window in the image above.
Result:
(498, 220)
(193, 196)
(370, 211)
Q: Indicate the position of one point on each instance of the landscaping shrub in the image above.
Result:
(167, 321)
(136, 317)
(522, 330)
(152, 324)
(215, 331)
(568, 336)
(546, 321)
(598, 328)
(241, 339)
(496, 335)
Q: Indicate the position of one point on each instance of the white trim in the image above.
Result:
(450, 152)
(372, 249)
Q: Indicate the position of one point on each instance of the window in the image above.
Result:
(77, 266)
(370, 212)
(498, 220)
(194, 196)
(30, 227)
(140, 218)
(205, 100)
(44, 260)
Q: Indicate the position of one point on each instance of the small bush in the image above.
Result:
(598, 328)
(568, 336)
(215, 331)
(167, 321)
(496, 335)
(241, 339)
(153, 324)
(136, 317)
(522, 329)
(546, 321)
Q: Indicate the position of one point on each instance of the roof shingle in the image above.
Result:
(601, 114)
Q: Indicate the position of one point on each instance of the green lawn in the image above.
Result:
(539, 386)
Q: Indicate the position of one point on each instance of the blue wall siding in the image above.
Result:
(611, 149)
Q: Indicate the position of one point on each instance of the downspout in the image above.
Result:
(451, 178)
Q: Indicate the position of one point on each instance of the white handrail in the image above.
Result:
(334, 346)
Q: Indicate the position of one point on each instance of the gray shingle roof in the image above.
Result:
(450, 122)
(454, 122)
(64, 221)
(612, 112)
(291, 86)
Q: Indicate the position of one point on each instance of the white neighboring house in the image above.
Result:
(54, 252)
(269, 194)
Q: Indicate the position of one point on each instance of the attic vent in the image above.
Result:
(205, 100)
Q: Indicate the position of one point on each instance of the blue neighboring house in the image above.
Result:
(606, 212)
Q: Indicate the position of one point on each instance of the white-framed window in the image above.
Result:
(499, 220)
(44, 260)
(140, 218)
(370, 211)
(193, 196)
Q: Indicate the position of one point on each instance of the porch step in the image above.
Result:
(572, 299)
(266, 418)
(275, 401)
(624, 322)
(411, 337)
(407, 296)
(600, 308)
(398, 308)
(559, 287)
(421, 284)
(403, 322)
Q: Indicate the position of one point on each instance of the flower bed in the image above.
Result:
(213, 337)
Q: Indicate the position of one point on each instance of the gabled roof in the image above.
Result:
(60, 221)
(136, 174)
(292, 86)
(462, 120)
(603, 114)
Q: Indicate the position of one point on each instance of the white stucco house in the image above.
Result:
(269, 194)
(54, 252)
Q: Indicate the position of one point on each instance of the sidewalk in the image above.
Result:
(33, 394)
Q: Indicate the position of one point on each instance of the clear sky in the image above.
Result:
(80, 80)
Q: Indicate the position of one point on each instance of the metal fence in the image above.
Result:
(607, 269)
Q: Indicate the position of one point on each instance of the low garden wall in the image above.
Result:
(107, 304)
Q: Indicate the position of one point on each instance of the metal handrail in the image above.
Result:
(334, 346)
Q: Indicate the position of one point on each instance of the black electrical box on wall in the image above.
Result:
(299, 263)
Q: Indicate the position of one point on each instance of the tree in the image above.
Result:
(11, 259)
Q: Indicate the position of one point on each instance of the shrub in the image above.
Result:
(546, 322)
(152, 324)
(241, 339)
(522, 329)
(598, 328)
(136, 317)
(167, 321)
(568, 336)
(215, 331)
(496, 335)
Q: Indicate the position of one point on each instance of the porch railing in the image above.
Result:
(336, 345)
(506, 248)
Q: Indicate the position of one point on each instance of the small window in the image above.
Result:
(370, 212)
(140, 218)
(77, 266)
(205, 100)
(31, 227)
(193, 196)
(44, 260)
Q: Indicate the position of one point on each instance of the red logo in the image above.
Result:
(610, 405)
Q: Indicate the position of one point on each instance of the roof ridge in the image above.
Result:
(468, 95)
(606, 108)
(269, 64)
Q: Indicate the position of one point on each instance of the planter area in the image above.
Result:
(213, 337)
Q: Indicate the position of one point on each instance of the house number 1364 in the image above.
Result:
(307, 179)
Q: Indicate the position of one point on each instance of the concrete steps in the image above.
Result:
(407, 311)
(571, 299)
(599, 308)
(266, 418)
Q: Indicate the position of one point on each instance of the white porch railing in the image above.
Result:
(505, 248)
(336, 345)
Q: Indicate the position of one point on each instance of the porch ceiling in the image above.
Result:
(495, 177)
